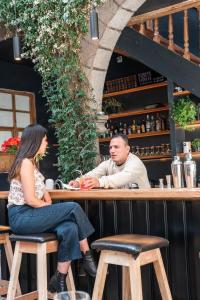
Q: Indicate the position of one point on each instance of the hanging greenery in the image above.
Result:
(52, 31)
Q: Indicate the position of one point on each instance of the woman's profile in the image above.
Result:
(30, 209)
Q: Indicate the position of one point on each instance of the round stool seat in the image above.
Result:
(130, 243)
(34, 237)
(4, 229)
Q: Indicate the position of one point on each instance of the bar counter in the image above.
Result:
(170, 213)
(123, 194)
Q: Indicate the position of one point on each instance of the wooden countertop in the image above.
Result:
(123, 194)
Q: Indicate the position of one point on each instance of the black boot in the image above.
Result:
(57, 283)
(89, 264)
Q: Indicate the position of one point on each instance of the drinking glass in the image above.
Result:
(72, 295)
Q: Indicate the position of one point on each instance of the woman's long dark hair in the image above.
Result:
(30, 143)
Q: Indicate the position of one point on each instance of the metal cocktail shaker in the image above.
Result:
(177, 173)
(190, 171)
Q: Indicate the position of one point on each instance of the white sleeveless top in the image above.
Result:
(16, 195)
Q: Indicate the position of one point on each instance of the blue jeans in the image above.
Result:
(66, 219)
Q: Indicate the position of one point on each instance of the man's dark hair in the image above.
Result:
(122, 136)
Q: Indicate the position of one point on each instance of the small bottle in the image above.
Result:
(121, 127)
(143, 126)
(125, 129)
(138, 128)
(153, 123)
(158, 123)
(163, 123)
(133, 127)
(148, 124)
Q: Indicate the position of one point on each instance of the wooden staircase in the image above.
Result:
(148, 25)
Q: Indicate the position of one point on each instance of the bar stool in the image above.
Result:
(131, 251)
(4, 240)
(40, 244)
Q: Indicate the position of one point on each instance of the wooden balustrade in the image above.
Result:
(171, 33)
(150, 29)
(186, 36)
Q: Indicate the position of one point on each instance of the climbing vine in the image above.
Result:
(52, 31)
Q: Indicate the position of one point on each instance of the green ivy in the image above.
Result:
(52, 31)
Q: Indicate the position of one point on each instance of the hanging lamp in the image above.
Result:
(16, 39)
(94, 24)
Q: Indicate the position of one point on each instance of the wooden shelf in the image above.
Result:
(138, 112)
(153, 157)
(143, 88)
(139, 135)
(137, 89)
(181, 93)
(194, 154)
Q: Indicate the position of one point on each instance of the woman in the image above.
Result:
(30, 209)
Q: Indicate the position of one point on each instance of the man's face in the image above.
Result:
(118, 150)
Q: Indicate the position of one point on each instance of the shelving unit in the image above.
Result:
(140, 135)
(143, 88)
(138, 112)
(137, 89)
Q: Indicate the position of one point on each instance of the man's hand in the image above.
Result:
(91, 182)
(74, 183)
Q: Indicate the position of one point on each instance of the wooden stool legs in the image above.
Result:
(4, 240)
(41, 250)
(131, 273)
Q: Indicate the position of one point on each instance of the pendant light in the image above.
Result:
(16, 39)
(94, 24)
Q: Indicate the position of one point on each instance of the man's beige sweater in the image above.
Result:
(112, 176)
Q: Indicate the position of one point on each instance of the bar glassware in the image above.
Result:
(72, 295)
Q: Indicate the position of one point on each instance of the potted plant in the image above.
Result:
(184, 112)
(7, 153)
(112, 106)
(196, 145)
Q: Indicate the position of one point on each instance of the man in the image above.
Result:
(121, 170)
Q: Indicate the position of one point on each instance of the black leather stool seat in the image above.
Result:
(4, 229)
(130, 243)
(34, 237)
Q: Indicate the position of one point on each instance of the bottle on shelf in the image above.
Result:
(133, 127)
(125, 131)
(121, 129)
(138, 127)
(163, 123)
(143, 129)
(129, 129)
(148, 124)
(152, 124)
(158, 122)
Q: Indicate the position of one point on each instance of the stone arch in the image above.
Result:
(95, 55)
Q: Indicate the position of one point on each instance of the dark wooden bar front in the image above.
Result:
(173, 214)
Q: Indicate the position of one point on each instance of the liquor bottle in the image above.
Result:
(139, 127)
(163, 123)
(133, 127)
(143, 130)
(111, 132)
(158, 123)
(148, 124)
(153, 124)
(125, 131)
(121, 129)
(129, 129)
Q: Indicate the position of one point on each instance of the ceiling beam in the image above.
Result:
(164, 12)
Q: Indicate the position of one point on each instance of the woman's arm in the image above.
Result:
(47, 198)
(28, 184)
